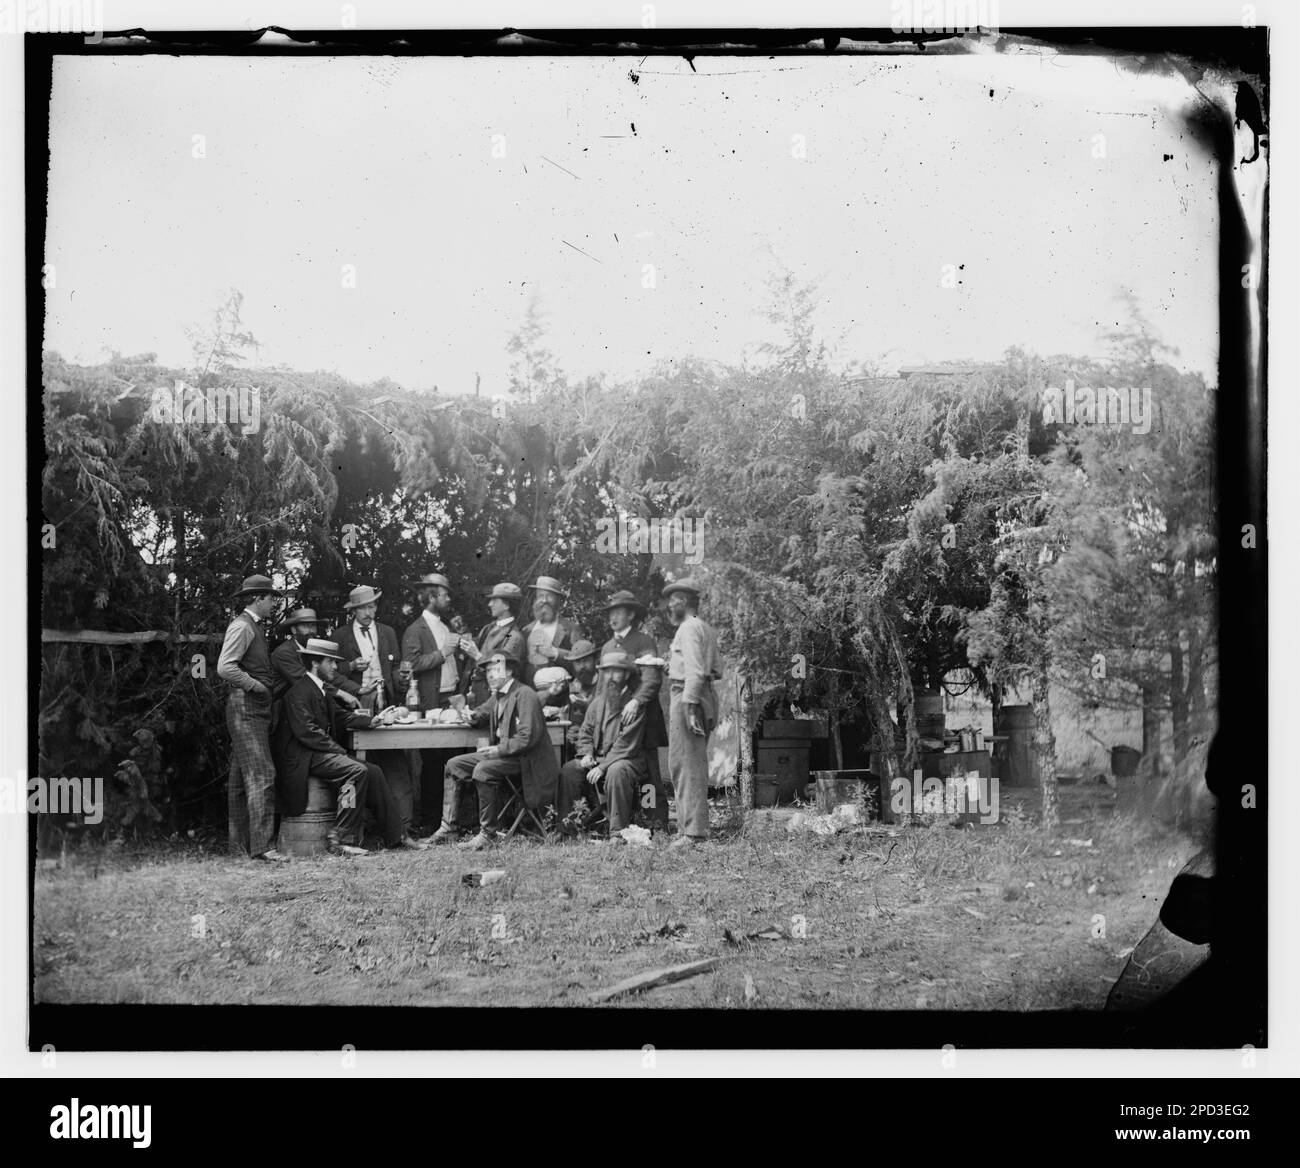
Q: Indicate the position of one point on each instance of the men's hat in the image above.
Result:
(258, 584)
(506, 592)
(299, 616)
(501, 655)
(685, 584)
(581, 649)
(549, 584)
(430, 579)
(363, 595)
(319, 647)
(618, 659)
(625, 599)
(549, 675)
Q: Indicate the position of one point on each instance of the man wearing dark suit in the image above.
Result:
(519, 744)
(431, 653)
(611, 754)
(306, 744)
(503, 634)
(548, 636)
(286, 661)
(626, 613)
(369, 673)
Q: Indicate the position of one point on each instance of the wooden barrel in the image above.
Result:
(304, 835)
(1018, 766)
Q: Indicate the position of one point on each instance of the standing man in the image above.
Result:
(369, 673)
(611, 755)
(693, 665)
(245, 663)
(430, 652)
(549, 634)
(626, 614)
(502, 634)
(519, 744)
(306, 745)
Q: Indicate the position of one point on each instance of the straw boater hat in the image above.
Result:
(363, 595)
(318, 647)
(618, 659)
(430, 580)
(685, 584)
(258, 584)
(549, 584)
(506, 592)
(625, 599)
(299, 616)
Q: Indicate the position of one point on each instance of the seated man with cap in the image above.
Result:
(306, 745)
(503, 633)
(611, 754)
(518, 745)
(626, 614)
(549, 635)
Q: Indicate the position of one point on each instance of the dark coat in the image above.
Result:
(389, 659)
(603, 735)
(522, 735)
(566, 632)
(641, 644)
(310, 724)
(420, 648)
(492, 639)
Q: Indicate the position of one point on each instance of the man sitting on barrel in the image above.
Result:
(305, 746)
(611, 750)
(518, 744)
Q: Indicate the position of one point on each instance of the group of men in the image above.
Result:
(289, 712)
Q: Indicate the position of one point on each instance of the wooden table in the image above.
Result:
(432, 736)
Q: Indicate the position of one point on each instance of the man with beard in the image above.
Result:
(286, 661)
(693, 665)
(431, 654)
(611, 755)
(369, 673)
(519, 744)
(502, 634)
(549, 634)
(582, 664)
(626, 614)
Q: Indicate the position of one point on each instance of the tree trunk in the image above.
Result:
(1045, 749)
(1178, 695)
(1150, 731)
(833, 717)
(745, 739)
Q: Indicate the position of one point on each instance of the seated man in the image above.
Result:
(305, 744)
(611, 750)
(519, 744)
(552, 685)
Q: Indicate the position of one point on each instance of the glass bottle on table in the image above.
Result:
(412, 689)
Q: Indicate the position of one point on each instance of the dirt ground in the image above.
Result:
(878, 918)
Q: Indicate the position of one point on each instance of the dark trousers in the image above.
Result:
(623, 783)
(659, 793)
(338, 771)
(487, 775)
(397, 774)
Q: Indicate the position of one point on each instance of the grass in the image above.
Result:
(991, 918)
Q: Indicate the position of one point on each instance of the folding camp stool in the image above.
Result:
(515, 803)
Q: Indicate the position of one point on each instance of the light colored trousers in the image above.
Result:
(688, 766)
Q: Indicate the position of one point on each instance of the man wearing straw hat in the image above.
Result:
(611, 755)
(693, 665)
(306, 746)
(549, 634)
(369, 673)
(502, 634)
(245, 664)
(626, 614)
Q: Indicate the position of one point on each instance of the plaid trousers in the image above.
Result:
(251, 790)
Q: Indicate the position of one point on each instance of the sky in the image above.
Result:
(646, 217)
